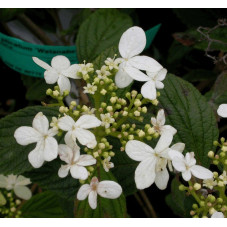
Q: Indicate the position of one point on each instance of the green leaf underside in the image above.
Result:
(100, 31)
(106, 208)
(178, 201)
(14, 157)
(43, 205)
(188, 111)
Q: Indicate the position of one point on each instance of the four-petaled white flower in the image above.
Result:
(107, 164)
(103, 72)
(17, 184)
(113, 63)
(47, 146)
(187, 166)
(222, 110)
(107, 120)
(78, 130)
(60, 71)
(210, 183)
(106, 189)
(70, 153)
(217, 215)
(223, 177)
(90, 89)
(132, 43)
(159, 123)
(152, 167)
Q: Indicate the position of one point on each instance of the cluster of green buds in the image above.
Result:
(9, 205)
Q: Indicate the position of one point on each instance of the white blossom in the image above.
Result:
(90, 89)
(107, 120)
(103, 72)
(223, 177)
(131, 44)
(209, 183)
(89, 111)
(47, 146)
(78, 130)
(70, 153)
(84, 69)
(105, 189)
(107, 164)
(187, 166)
(217, 215)
(60, 71)
(222, 110)
(17, 184)
(113, 63)
(153, 162)
(159, 123)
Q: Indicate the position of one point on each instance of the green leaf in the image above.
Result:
(43, 205)
(178, 201)
(188, 111)
(195, 75)
(47, 178)
(106, 208)
(14, 157)
(100, 31)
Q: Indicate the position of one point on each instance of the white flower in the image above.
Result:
(222, 110)
(90, 89)
(106, 120)
(113, 63)
(54, 123)
(47, 146)
(89, 111)
(132, 43)
(103, 72)
(70, 153)
(187, 165)
(217, 215)
(78, 130)
(223, 177)
(209, 183)
(152, 167)
(107, 164)
(17, 183)
(159, 123)
(84, 69)
(106, 189)
(59, 71)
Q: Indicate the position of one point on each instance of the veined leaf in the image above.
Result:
(188, 111)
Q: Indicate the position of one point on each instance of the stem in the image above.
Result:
(142, 205)
(193, 193)
(148, 203)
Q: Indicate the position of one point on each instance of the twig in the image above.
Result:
(142, 205)
(35, 29)
(148, 203)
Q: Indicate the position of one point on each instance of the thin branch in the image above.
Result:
(142, 205)
(148, 203)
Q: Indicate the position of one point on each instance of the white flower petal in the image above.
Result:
(186, 175)
(63, 171)
(71, 71)
(65, 153)
(70, 140)
(178, 147)
(79, 172)
(109, 189)
(178, 163)
(50, 149)
(168, 128)
(138, 151)
(222, 110)
(25, 135)
(3, 181)
(122, 79)
(36, 156)
(161, 179)
(41, 123)
(136, 74)
(132, 42)
(217, 215)
(164, 141)
(41, 63)
(86, 160)
(189, 159)
(64, 84)
(92, 199)
(83, 192)
(174, 153)
(145, 173)
(23, 192)
(60, 62)
(148, 90)
(85, 137)
(88, 121)
(51, 76)
(201, 172)
(161, 117)
(159, 85)
(21, 180)
(161, 74)
(145, 63)
(66, 123)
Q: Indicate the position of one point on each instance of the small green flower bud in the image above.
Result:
(149, 137)
(65, 93)
(215, 174)
(211, 210)
(61, 109)
(101, 146)
(103, 92)
(215, 143)
(103, 105)
(118, 106)
(108, 131)
(137, 113)
(192, 212)
(151, 131)
(222, 140)
(18, 202)
(204, 216)
(113, 100)
(210, 154)
(125, 113)
(82, 181)
(182, 187)
(49, 91)
(195, 216)
(13, 209)
(111, 153)
(128, 95)
(137, 103)
(130, 137)
(221, 184)
(219, 200)
(224, 148)
(141, 133)
(197, 186)
(76, 113)
(105, 154)
(96, 154)
(215, 162)
(195, 206)
(144, 109)
(202, 203)
(56, 93)
(134, 93)
(222, 154)
(109, 108)
(154, 102)
(156, 135)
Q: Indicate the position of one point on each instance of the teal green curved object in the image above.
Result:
(17, 54)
